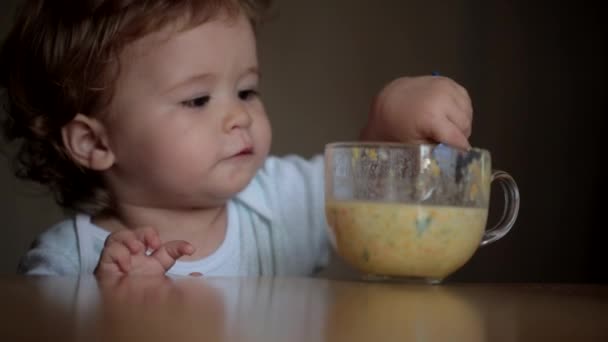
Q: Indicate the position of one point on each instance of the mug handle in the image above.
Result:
(510, 211)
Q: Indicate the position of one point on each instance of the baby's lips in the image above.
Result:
(246, 150)
(243, 151)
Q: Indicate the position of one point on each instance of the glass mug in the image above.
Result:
(412, 212)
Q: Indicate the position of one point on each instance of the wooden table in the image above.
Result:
(295, 309)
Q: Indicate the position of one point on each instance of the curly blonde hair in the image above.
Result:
(60, 59)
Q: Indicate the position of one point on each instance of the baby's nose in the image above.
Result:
(237, 117)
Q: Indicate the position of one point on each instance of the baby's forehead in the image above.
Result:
(167, 57)
(166, 33)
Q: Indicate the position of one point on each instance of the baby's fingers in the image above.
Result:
(115, 254)
(461, 120)
(169, 252)
(449, 133)
(126, 238)
(149, 236)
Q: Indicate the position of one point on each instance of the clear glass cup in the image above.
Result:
(412, 212)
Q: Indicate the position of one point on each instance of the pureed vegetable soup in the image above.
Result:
(412, 212)
(405, 240)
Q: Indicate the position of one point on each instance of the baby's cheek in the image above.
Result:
(263, 135)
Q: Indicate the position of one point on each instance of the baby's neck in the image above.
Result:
(204, 228)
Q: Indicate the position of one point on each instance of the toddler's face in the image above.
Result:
(186, 125)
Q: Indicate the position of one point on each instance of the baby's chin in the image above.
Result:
(242, 183)
(224, 184)
(234, 185)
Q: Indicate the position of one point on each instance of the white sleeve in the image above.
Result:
(298, 206)
(54, 252)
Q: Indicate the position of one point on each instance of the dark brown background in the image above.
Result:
(535, 70)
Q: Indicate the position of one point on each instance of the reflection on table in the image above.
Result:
(295, 309)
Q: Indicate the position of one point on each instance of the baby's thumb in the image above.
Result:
(169, 252)
(450, 134)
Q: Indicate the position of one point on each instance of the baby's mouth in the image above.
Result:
(244, 152)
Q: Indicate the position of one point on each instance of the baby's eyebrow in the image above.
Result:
(191, 79)
(253, 70)
(208, 76)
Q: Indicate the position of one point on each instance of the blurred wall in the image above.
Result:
(25, 210)
(534, 72)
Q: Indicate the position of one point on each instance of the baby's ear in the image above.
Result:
(86, 142)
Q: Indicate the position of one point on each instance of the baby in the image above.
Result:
(144, 118)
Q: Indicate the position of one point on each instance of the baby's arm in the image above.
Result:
(421, 109)
(54, 252)
(139, 252)
(43, 261)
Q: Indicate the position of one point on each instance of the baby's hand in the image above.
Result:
(421, 109)
(125, 253)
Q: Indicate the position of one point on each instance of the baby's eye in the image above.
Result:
(247, 94)
(196, 102)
